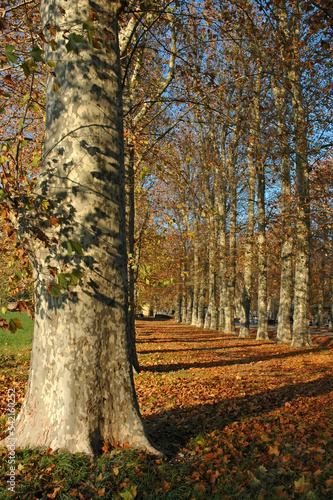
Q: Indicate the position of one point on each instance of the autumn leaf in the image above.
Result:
(301, 484)
(105, 447)
(53, 221)
(130, 493)
(14, 325)
(273, 450)
(55, 492)
(8, 79)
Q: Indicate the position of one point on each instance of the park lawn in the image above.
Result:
(11, 343)
(236, 418)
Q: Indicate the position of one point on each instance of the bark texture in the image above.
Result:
(229, 310)
(244, 330)
(262, 331)
(283, 329)
(178, 307)
(195, 273)
(130, 222)
(211, 314)
(301, 330)
(80, 391)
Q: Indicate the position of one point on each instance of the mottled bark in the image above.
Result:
(211, 314)
(80, 391)
(229, 310)
(130, 222)
(262, 331)
(301, 331)
(178, 307)
(283, 329)
(189, 304)
(244, 330)
(223, 296)
(222, 213)
(320, 308)
(184, 302)
(195, 276)
(201, 303)
(331, 305)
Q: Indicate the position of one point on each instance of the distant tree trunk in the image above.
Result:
(211, 314)
(222, 211)
(178, 307)
(130, 221)
(80, 391)
(331, 305)
(320, 310)
(184, 301)
(244, 331)
(196, 284)
(229, 311)
(301, 330)
(262, 331)
(283, 329)
(201, 303)
(213, 321)
(189, 306)
(207, 318)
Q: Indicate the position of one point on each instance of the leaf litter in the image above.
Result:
(236, 418)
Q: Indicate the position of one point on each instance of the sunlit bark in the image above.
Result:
(80, 391)
(283, 329)
(301, 331)
(262, 331)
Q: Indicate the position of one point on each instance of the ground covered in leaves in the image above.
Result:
(236, 418)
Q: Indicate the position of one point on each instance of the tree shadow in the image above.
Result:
(173, 428)
(189, 340)
(157, 351)
(172, 367)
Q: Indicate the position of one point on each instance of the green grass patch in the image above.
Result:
(11, 343)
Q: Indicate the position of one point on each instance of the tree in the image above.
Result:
(283, 329)
(80, 391)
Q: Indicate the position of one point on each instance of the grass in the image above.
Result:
(10, 343)
(237, 419)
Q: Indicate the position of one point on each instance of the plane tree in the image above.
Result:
(80, 391)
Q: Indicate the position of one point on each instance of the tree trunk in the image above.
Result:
(262, 331)
(201, 304)
(80, 391)
(222, 212)
(184, 299)
(283, 329)
(229, 311)
(195, 276)
(244, 330)
(178, 307)
(222, 268)
(331, 305)
(320, 310)
(130, 221)
(211, 314)
(301, 331)
(189, 306)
